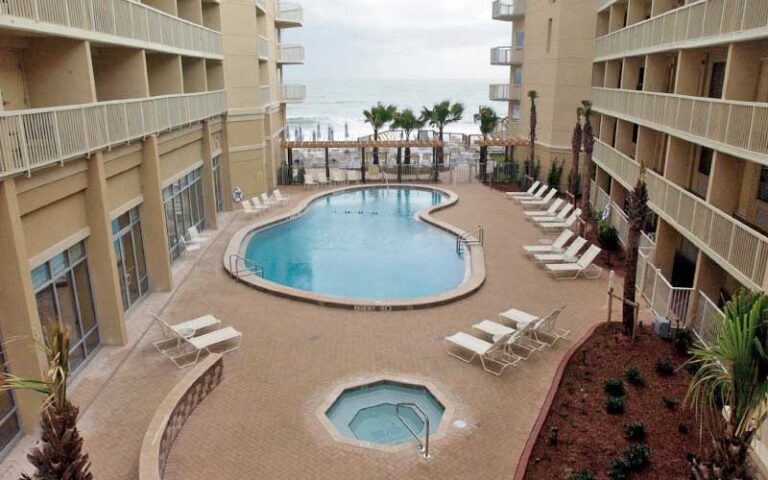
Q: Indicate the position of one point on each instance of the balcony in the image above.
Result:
(261, 5)
(737, 248)
(601, 201)
(290, 54)
(293, 93)
(700, 24)
(507, 55)
(45, 136)
(736, 128)
(508, 11)
(118, 22)
(504, 92)
(263, 49)
(289, 15)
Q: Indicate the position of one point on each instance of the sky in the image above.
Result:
(398, 39)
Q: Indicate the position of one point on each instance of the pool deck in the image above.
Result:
(261, 422)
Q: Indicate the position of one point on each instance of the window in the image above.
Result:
(516, 112)
(518, 72)
(705, 161)
(217, 185)
(9, 421)
(762, 189)
(63, 293)
(519, 39)
(717, 81)
(129, 250)
(549, 35)
(183, 201)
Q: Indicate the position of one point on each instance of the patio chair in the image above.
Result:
(353, 176)
(519, 339)
(257, 203)
(265, 200)
(554, 247)
(337, 177)
(569, 255)
(534, 326)
(527, 193)
(557, 226)
(309, 180)
(189, 246)
(280, 198)
(493, 356)
(558, 217)
(538, 194)
(249, 208)
(547, 332)
(188, 352)
(173, 334)
(551, 211)
(540, 203)
(194, 235)
(583, 266)
(322, 179)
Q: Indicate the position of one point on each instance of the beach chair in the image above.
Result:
(222, 341)
(546, 331)
(249, 208)
(322, 179)
(525, 322)
(540, 203)
(194, 235)
(309, 180)
(353, 176)
(527, 193)
(493, 356)
(555, 247)
(265, 200)
(257, 203)
(172, 334)
(559, 216)
(551, 211)
(583, 266)
(517, 339)
(557, 226)
(538, 194)
(337, 177)
(280, 198)
(189, 246)
(569, 255)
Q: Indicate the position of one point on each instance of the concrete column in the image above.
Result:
(725, 181)
(667, 241)
(602, 179)
(209, 193)
(18, 309)
(153, 219)
(226, 176)
(102, 266)
(679, 162)
(709, 277)
(618, 193)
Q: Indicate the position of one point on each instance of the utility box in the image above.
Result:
(661, 327)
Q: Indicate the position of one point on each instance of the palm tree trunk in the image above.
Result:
(376, 149)
(407, 155)
(399, 165)
(638, 210)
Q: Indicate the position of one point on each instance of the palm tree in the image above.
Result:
(732, 373)
(60, 452)
(408, 122)
(440, 115)
(573, 177)
(533, 95)
(379, 116)
(637, 212)
(488, 120)
(588, 140)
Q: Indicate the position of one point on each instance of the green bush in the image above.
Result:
(555, 173)
(665, 367)
(585, 474)
(682, 339)
(636, 457)
(301, 174)
(632, 374)
(613, 387)
(619, 469)
(607, 235)
(614, 405)
(634, 431)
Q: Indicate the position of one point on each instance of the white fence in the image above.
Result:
(616, 216)
(699, 23)
(704, 321)
(507, 10)
(290, 13)
(506, 55)
(293, 93)
(290, 54)
(664, 299)
(504, 92)
(120, 18)
(43, 136)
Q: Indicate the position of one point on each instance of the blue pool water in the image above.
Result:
(367, 412)
(363, 244)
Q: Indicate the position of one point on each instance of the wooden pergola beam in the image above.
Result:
(363, 144)
(503, 142)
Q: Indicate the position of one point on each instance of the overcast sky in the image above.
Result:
(398, 39)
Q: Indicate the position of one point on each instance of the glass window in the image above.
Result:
(705, 161)
(184, 209)
(9, 422)
(131, 264)
(762, 191)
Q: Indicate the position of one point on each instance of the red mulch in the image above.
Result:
(589, 437)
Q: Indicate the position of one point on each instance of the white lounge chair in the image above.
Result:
(583, 266)
(559, 216)
(551, 211)
(309, 180)
(172, 334)
(265, 200)
(189, 246)
(540, 203)
(554, 247)
(528, 193)
(557, 226)
(538, 194)
(569, 255)
(322, 179)
(546, 331)
(249, 208)
(516, 339)
(194, 235)
(353, 176)
(257, 204)
(493, 356)
(280, 198)
(188, 353)
(337, 177)
(536, 327)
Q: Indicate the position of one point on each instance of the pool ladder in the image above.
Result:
(423, 446)
(239, 264)
(475, 236)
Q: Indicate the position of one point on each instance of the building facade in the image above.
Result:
(122, 125)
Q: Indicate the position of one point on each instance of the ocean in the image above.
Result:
(332, 103)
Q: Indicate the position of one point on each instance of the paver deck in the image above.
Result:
(261, 421)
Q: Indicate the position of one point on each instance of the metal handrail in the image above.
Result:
(479, 237)
(250, 266)
(423, 447)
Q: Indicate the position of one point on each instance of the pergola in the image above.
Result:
(509, 145)
(289, 146)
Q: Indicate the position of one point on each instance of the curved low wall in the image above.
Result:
(173, 412)
(473, 282)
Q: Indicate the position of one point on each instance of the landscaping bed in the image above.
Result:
(588, 437)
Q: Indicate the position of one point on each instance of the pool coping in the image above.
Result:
(474, 278)
(442, 430)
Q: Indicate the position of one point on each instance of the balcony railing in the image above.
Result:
(737, 128)
(504, 92)
(261, 5)
(45, 136)
(293, 93)
(704, 319)
(664, 299)
(506, 55)
(699, 24)
(266, 95)
(290, 54)
(739, 249)
(601, 202)
(508, 10)
(263, 48)
(289, 15)
(123, 22)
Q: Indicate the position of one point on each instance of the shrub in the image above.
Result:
(614, 405)
(555, 173)
(618, 470)
(633, 376)
(300, 176)
(607, 235)
(636, 457)
(634, 431)
(585, 474)
(664, 367)
(670, 403)
(682, 339)
(613, 387)
(692, 367)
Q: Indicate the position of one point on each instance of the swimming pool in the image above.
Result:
(363, 243)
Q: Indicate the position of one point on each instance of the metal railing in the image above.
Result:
(289, 14)
(239, 265)
(45, 136)
(263, 48)
(507, 55)
(704, 319)
(124, 21)
(503, 10)
(664, 299)
(504, 92)
(423, 447)
(698, 24)
(475, 236)
(739, 249)
(616, 216)
(738, 128)
(290, 54)
(292, 93)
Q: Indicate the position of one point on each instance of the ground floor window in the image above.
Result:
(9, 420)
(183, 201)
(217, 185)
(129, 250)
(63, 293)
